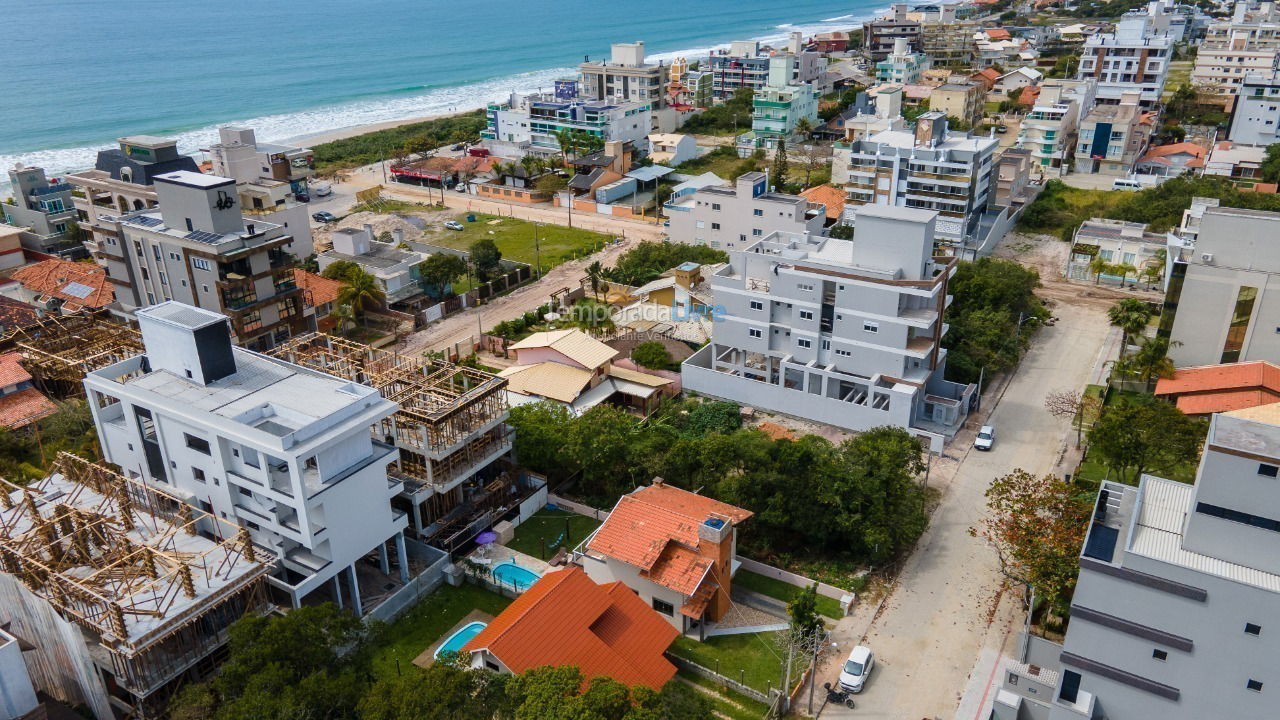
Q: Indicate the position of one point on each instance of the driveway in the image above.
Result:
(942, 617)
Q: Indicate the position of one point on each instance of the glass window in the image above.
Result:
(664, 607)
(754, 333)
(197, 444)
(1239, 326)
(804, 343)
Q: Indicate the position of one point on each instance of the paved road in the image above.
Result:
(942, 613)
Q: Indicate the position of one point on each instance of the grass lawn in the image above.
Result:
(1093, 470)
(424, 623)
(783, 591)
(727, 702)
(755, 658)
(1179, 74)
(546, 526)
(515, 239)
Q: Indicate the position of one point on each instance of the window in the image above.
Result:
(1253, 629)
(245, 492)
(1239, 324)
(1267, 470)
(843, 353)
(155, 250)
(715, 226)
(804, 343)
(668, 609)
(756, 232)
(869, 326)
(197, 444)
(715, 206)
(701, 224)
(826, 344)
(804, 286)
(1254, 685)
(190, 227)
(757, 212)
(757, 305)
(201, 264)
(806, 314)
(205, 506)
(1160, 655)
(755, 333)
(174, 256)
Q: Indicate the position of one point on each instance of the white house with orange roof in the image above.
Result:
(674, 548)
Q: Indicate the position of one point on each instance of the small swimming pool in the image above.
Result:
(509, 574)
(458, 640)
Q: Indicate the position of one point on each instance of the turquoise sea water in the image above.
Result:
(80, 73)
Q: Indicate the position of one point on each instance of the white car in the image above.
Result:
(322, 189)
(454, 225)
(986, 438)
(856, 670)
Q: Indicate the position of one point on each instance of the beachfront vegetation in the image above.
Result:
(648, 260)
(514, 239)
(398, 141)
(992, 318)
(859, 500)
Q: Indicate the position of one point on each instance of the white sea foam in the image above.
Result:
(329, 118)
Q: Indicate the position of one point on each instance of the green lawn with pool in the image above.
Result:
(398, 643)
(547, 530)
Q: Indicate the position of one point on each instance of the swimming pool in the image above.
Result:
(509, 574)
(458, 640)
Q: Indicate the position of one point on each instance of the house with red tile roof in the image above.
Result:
(69, 286)
(318, 297)
(1208, 389)
(674, 548)
(20, 402)
(1171, 160)
(829, 196)
(986, 77)
(567, 619)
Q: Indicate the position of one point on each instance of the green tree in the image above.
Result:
(486, 259)
(885, 502)
(440, 270)
(1131, 315)
(1145, 436)
(1098, 266)
(341, 270)
(599, 441)
(780, 164)
(360, 290)
(804, 128)
(710, 416)
(994, 300)
(442, 692)
(653, 355)
(540, 432)
(803, 611)
(550, 184)
(1271, 164)
(595, 278)
(1149, 362)
(841, 231)
(648, 260)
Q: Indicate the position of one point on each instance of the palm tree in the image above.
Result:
(804, 128)
(1131, 315)
(1125, 269)
(595, 276)
(1149, 362)
(359, 288)
(565, 139)
(345, 315)
(1097, 266)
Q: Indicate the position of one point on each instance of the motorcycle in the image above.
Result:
(839, 697)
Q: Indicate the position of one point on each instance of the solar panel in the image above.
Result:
(147, 221)
(78, 290)
(203, 236)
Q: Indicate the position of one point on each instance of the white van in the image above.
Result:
(1127, 184)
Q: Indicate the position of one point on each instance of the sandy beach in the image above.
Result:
(341, 134)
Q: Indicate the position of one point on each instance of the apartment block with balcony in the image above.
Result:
(626, 77)
(777, 108)
(903, 66)
(731, 218)
(843, 332)
(1256, 120)
(960, 98)
(44, 210)
(283, 451)
(1248, 43)
(198, 248)
(272, 181)
(746, 65)
(1113, 137)
(1049, 130)
(1178, 591)
(929, 169)
(527, 124)
(949, 44)
(1134, 57)
(881, 34)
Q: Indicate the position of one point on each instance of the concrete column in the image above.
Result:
(337, 591)
(356, 607)
(403, 556)
(383, 561)
(294, 599)
(417, 517)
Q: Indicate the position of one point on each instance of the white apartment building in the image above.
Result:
(1256, 120)
(886, 115)
(1134, 57)
(270, 179)
(1112, 138)
(281, 450)
(196, 247)
(626, 78)
(1173, 613)
(731, 218)
(930, 169)
(1233, 49)
(526, 124)
(903, 66)
(844, 332)
(1049, 130)
(396, 270)
(746, 65)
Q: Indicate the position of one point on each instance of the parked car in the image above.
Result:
(986, 438)
(324, 216)
(1002, 129)
(1126, 184)
(856, 670)
(459, 146)
(454, 225)
(322, 189)
(302, 197)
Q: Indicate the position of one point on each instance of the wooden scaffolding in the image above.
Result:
(60, 350)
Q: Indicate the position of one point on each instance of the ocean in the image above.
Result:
(81, 73)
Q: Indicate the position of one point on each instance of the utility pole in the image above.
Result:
(813, 669)
(537, 253)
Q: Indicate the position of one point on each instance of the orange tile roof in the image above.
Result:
(1270, 188)
(11, 370)
(998, 34)
(316, 290)
(830, 196)
(1159, 153)
(1221, 388)
(54, 278)
(24, 407)
(680, 569)
(567, 619)
(1029, 95)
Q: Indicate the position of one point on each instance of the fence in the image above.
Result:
(425, 582)
(791, 578)
(578, 508)
(768, 698)
(484, 577)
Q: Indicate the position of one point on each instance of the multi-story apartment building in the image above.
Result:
(961, 99)
(949, 44)
(885, 105)
(1248, 43)
(121, 182)
(1256, 120)
(746, 65)
(1134, 57)
(284, 452)
(730, 218)
(1220, 307)
(902, 66)
(1113, 137)
(929, 169)
(395, 269)
(845, 332)
(880, 35)
(44, 210)
(778, 107)
(271, 181)
(625, 77)
(527, 124)
(1049, 130)
(198, 248)
(1178, 587)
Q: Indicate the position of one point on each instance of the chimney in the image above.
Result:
(189, 342)
(398, 234)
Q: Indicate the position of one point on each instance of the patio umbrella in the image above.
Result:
(486, 537)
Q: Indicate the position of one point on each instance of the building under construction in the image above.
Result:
(450, 429)
(118, 590)
(60, 350)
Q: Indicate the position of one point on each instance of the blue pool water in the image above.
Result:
(509, 574)
(458, 640)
